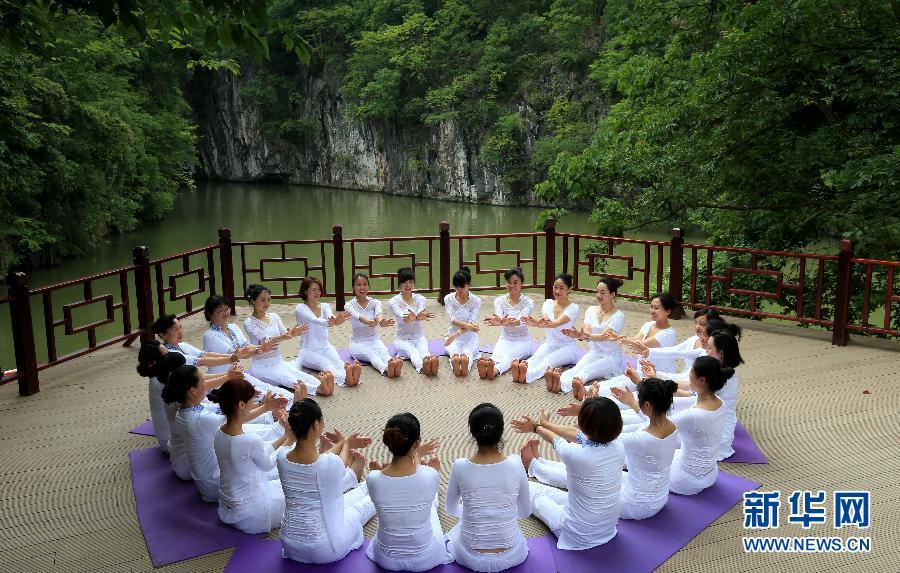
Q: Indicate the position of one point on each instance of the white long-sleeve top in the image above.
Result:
(489, 498)
(244, 463)
(665, 338)
(197, 429)
(360, 332)
(593, 478)
(408, 330)
(314, 507)
(700, 433)
(554, 336)
(649, 459)
(223, 341)
(191, 353)
(503, 307)
(684, 350)
(615, 321)
(317, 335)
(404, 506)
(467, 312)
(259, 330)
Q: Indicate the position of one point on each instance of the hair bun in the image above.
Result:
(393, 437)
(671, 386)
(215, 396)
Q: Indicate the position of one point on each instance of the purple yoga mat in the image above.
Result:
(745, 449)
(145, 429)
(642, 546)
(176, 523)
(254, 555)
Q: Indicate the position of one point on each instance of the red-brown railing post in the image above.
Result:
(143, 292)
(337, 241)
(549, 256)
(444, 248)
(23, 334)
(676, 264)
(839, 335)
(226, 268)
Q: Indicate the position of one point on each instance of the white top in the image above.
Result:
(554, 336)
(191, 353)
(615, 321)
(259, 330)
(684, 350)
(243, 462)
(158, 412)
(317, 335)
(729, 396)
(197, 428)
(314, 504)
(224, 342)
(494, 497)
(360, 332)
(503, 307)
(649, 459)
(404, 506)
(665, 337)
(593, 478)
(700, 432)
(408, 330)
(467, 312)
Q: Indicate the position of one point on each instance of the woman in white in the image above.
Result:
(264, 328)
(409, 536)
(602, 326)
(250, 496)
(223, 337)
(648, 452)
(196, 427)
(409, 310)
(316, 352)
(489, 493)
(694, 467)
(557, 349)
(365, 318)
(687, 351)
(149, 357)
(515, 343)
(321, 523)
(462, 309)
(169, 329)
(587, 514)
(657, 332)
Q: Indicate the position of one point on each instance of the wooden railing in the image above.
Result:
(834, 291)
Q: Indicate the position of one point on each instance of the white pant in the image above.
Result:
(324, 359)
(548, 471)
(372, 351)
(416, 350)
(505, 351)
(466, 345)
(550, 357)
(592, 365)
(548, 504)
(278, 372)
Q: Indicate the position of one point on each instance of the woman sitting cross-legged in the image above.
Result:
(197, 427)
(694, 467)
(409, 536)
(488, 491)
(250, 497)
(321, 522)
(587, 514)
(648, 453)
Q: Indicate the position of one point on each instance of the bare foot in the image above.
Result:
(389, 370)
(578, 390)
(557, 386)
(481, 366)
(548, 379)
(398, 367)
(434, 365)
(523, 371)
(326, 384)
(490, 369)
(357, 371)
(454, 362)
(300, 391)
(463, 365)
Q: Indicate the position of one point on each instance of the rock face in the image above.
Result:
(439, 161)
